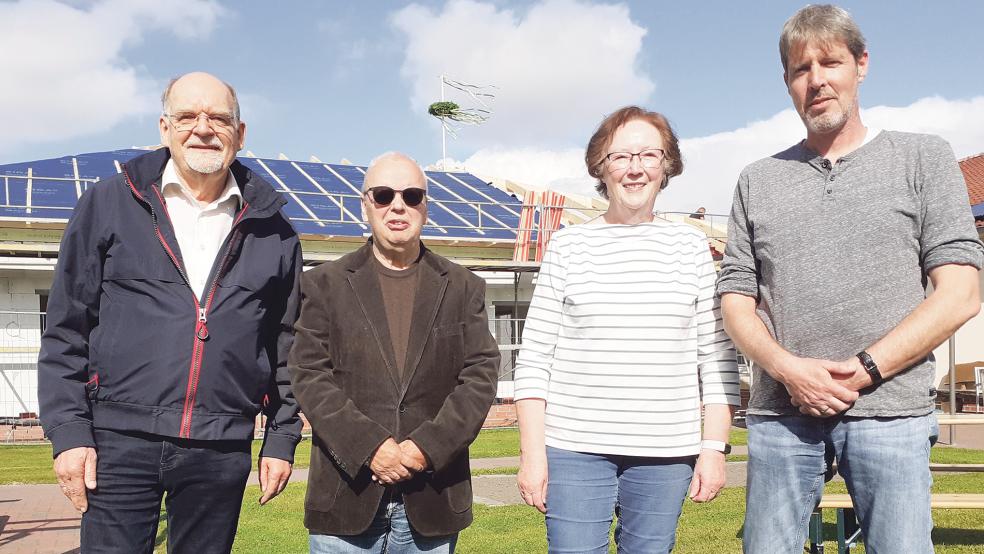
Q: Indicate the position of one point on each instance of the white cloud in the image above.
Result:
(559, 67)
(961, 122)
(533, 167)
(712, 163)
(63, 67)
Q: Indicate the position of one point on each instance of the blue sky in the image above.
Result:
(353, 79)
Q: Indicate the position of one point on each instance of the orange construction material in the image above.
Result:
(553, 209)
(521, 252)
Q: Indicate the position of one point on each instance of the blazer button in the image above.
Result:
(403, 409)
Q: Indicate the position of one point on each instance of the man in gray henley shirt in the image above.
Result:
(831, 244)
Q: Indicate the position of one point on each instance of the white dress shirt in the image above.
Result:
(201, 228)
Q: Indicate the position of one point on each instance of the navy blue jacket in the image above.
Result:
(129, 346)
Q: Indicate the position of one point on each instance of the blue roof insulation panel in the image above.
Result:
(489, 214)
(322, 199)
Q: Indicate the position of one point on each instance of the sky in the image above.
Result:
(350, 80)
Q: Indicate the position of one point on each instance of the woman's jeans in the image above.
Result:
(884, 460)
(584, 490)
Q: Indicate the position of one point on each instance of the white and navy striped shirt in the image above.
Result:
(623, 339)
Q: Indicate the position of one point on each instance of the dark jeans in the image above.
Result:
(204, 482)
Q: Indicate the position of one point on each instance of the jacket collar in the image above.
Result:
(145, 172)
(363, 257)
(431, 285)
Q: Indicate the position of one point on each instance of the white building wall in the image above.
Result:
(501, 290)
(20, 338)
(20, 330)
(969, 342)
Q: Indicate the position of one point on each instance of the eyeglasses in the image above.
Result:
(649, 159)
(185, 121)
(384, 195)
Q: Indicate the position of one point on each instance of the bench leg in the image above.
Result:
(816, 532)
(848, 530)
(843, 547)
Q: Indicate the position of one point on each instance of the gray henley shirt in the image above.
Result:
(837, 254)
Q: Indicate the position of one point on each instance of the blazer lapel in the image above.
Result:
(365, 284)
(432, 283)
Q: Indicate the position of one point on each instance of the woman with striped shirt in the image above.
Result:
(623, 346)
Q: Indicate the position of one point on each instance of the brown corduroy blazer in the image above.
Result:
(345, 379)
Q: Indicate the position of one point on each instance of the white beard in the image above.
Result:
(205, 163)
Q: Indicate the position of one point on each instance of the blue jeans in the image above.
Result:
(202, 484)
(389, 533)
(884, 461)
(584, 490)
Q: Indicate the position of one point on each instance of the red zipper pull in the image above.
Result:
(201, 330)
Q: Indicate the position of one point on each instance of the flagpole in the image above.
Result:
(444, 140)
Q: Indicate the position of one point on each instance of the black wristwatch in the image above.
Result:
(870, 367)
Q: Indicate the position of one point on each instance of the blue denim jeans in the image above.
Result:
(389, 533)
(884, 461)
(584, 490)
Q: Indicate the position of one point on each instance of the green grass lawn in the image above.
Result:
(32, 463)
(715, 527)
(278, 527)
(27, 464)
(495, 443)
(738, 437)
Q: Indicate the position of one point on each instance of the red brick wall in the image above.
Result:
(501, 415)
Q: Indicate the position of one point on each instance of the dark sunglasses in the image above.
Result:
(384, 195)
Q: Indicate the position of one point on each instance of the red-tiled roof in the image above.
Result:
(973, 170)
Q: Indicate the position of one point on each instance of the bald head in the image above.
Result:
(389, 164)
(199, 80)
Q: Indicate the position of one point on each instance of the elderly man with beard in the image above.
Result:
(169, 323)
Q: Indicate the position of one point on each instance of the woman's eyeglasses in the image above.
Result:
(384, 196)
(617, 161)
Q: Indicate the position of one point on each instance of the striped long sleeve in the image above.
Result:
(622, 333)
(542, 326)
(715, 351)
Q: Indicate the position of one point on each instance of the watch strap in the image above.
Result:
(719, 446)
(870, 367)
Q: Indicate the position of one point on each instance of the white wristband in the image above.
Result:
(719, 446)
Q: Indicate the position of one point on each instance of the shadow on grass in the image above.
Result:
(941, 535)
(950, 535)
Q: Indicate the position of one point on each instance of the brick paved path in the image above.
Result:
(37, 519)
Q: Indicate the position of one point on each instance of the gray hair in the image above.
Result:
(392, 154)
(170, 85)
(824, 22)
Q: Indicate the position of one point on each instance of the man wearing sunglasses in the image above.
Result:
(395, 368)
(169, 323)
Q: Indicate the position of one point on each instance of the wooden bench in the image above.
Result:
(957, 468)
(848, 531)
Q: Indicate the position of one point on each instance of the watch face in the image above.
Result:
(727, 449)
